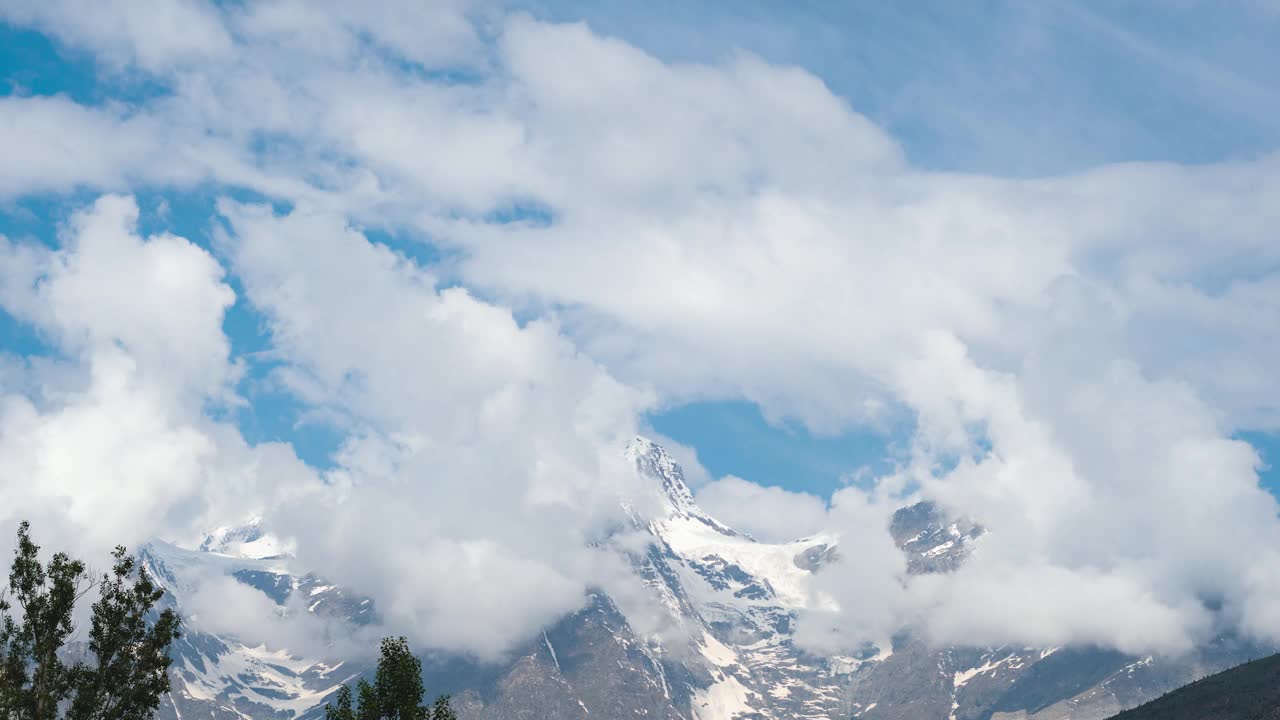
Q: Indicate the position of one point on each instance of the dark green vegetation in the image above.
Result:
(128, 640)
(395, 694)
(1245, 692)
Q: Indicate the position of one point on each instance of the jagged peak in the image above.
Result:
(246, 540)
(652, 460)
(932, 539)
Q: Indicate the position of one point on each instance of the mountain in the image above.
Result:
(1247, 692)
(219, 677)
(728, 605)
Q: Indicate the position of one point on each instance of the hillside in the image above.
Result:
(1246, 692)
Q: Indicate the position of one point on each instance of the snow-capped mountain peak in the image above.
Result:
(652, 461)
(248, 540)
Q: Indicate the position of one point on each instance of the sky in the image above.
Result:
(404, 278)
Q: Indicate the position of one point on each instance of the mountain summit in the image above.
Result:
(652, 461)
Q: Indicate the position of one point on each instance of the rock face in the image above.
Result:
(589, 664)
(726, 649)
(932, 542)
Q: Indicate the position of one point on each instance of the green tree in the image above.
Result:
(370, 708)
(398, 682)
(33, 679)
(128, 640)
(442, 710)
(396, 691)
(342, 710)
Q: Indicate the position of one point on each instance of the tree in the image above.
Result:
(128, 640)
(370, 707)
(33, 679)
(398, 682)
(442, 710)
(342, 710)
(396, 691)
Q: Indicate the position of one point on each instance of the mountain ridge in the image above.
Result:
(735, 602)
(1250, 691)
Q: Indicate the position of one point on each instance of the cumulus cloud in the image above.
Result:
(222, 605)
(52, 144)
(770, 514)
(1096, 490)
(109, 442)
(484, 454)
(1075, 353)
(151, 34)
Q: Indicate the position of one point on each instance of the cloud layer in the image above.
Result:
(616, 233)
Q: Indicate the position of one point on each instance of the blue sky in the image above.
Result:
(1014, 89)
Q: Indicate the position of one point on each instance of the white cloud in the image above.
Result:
(695, 474)
(53, 144)
(1076, 351)
(1099, 488)
(222, 605)
(485, 454)
(982, 306)
(769, 514)
(863, 597)
(109, 443)
(153, 34)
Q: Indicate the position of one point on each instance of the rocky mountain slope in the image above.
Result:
(734, 603)
(1246, 692)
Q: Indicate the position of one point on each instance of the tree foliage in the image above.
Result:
(128, 641)
(340, 708)
(442, 710)
(395, 694)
